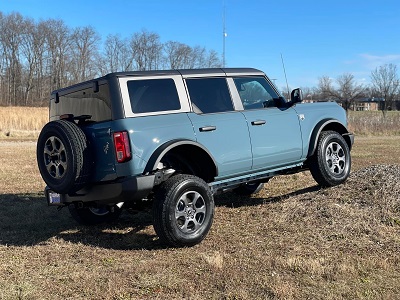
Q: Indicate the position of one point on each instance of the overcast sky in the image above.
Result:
(315, 38)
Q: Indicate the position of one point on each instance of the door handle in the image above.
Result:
(258, 122)
(207, 128)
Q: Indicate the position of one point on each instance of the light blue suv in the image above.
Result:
(179, 137)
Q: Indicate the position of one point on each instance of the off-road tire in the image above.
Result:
(248, 189)
(94, 215)
(331, 162)
(183, 210)
(63, 156)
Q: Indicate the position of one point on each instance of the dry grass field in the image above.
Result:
(22, 122)
(374, 122)
(290, 241)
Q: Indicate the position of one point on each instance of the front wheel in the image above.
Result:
(330, 164)
(183, 210)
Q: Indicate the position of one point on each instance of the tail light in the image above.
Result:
(122, 146)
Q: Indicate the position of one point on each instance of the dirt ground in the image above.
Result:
(292, 240)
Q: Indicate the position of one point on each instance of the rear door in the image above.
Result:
(217, 126)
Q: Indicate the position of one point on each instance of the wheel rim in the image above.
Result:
(99, 211)
(335, 158)
(190, 212)
(55, 157)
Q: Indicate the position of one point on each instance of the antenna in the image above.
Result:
(284, 71)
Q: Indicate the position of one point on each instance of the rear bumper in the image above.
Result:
(123, 190)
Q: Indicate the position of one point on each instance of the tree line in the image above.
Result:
(384, 87)
(37, 57)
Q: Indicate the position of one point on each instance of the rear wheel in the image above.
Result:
(249, 188)
(92, 215)
(330, 164)
(183, 210)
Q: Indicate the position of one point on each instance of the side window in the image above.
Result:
(153, 95)
(209, 95)
(256, 93)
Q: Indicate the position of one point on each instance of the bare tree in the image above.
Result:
(146, 50)
(32, 49)
(58, 41)
(182, 56)
(176, 55)
(10, 39)
(116, 55)
(385, 82)
(349, 89)
(85, 42)
(40, 90)
(197, 57)
(309, 93)
(212, 60)
(345, 92)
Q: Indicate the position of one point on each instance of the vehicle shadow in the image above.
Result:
(233, 200)
(27, 221)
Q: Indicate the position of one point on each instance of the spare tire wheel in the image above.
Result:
(63, 156)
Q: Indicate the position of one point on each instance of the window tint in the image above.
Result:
(209, 95)
(153, 95)
(256, 92)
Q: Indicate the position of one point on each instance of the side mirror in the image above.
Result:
(296, 96)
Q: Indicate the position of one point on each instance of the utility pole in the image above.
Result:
(224, 35)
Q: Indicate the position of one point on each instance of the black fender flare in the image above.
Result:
(159, 153)
(333, 124)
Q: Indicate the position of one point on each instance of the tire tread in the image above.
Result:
(317, 169)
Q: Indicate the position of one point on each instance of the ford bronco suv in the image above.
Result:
(179, 137)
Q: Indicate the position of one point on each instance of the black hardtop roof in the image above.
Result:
(183, 72)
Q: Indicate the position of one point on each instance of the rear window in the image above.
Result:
(209, 95)
(152, 95)
(84, 102)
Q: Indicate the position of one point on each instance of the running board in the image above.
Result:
(224, 185)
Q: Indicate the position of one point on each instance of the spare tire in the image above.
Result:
(63, 156)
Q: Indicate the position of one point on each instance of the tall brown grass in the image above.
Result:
(22, 121)
(374, 122)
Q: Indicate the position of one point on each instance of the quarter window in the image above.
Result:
(153, 95)
(256, 93)
(209, 95)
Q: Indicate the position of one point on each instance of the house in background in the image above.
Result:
(368, 104)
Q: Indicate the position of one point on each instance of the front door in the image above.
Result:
(274, 129)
